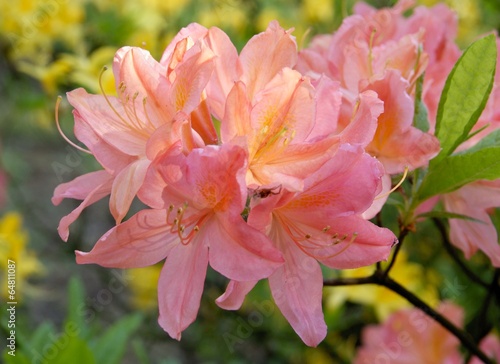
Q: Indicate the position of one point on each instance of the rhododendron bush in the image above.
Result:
(274, 163)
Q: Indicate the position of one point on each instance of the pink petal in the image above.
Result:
(236, 120)
(118, 130)
(346, 184)
(191, 77)
(297, 289)
(92, 186)
(364, 122)
(235, 294)
(380, 199)
(396, 142)
(194, 31)
(125, 187)
(293, 164)
(140, 78)
(227, 70)
(111, 158)
(328, 100)
(238, 251)
(287, 101)
(469, 236)
(313, 60)
(80, 187)
(265, 55)
(180, 287)
(143, 240)
(371, 243)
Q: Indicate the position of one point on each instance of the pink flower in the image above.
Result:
(286, 132)
(372, 50)
(120, 131)
(264, 56)
(490, 345)
(199, 224)
(321, 223)
(412, 337)
(474, 200)
(279, 116)
(439, 25)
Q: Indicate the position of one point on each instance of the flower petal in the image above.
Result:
(91, 187)
(265, 55)
(118, 130)
(235, 294)
(297, 289)
(365, 243)
(227, 70)
(143, 240)
(180, 287)
(125, 187)
(238, 251)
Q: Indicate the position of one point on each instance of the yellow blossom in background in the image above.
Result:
(318, 10)
(13, 246)
(31, 27)
(413, 276)
(50, 76)
(143, 286)
(87, 70)
(225, 14)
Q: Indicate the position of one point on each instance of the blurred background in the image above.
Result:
(88, 314)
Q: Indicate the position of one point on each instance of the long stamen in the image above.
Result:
(106, 96)
(144, 100)
(370, 53)
(405, 173)
(58, 102)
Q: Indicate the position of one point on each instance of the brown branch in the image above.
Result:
(380, 278)
(453, 254)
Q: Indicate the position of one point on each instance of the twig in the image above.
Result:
(402, 234)
(380, 278)
(452, 252)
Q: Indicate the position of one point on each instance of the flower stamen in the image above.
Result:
(58, 102)
(405, 173)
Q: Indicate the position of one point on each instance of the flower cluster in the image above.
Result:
(263, 163)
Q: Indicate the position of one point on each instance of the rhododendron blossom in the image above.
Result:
(474, 200)
(199, 224)
(323, 222)
(371, 52)
(410, 337)
(117, 130)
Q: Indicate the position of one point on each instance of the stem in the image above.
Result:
(402, 234)
(381, 278)
(483, 312)
(452, 252)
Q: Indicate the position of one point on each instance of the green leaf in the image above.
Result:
(39, 337)
(76, 297)
(455, 171)
(421, 117)
(448, 215)
(18, 358)
(74, 351)
(140, 351)
(491, 140)
(110, 347)
(465, 94)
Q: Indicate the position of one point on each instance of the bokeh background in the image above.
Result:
(87, 314)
